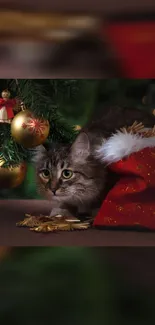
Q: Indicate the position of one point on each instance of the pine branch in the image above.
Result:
(36, 97)
(11, 152)
(43, 98)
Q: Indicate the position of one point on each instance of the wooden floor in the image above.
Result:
(14, 211)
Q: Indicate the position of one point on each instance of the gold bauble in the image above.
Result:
(77, 127)
(28, 130)
(12, 176)
(2, 161)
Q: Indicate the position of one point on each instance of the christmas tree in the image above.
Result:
(52, 101)
(64, 104)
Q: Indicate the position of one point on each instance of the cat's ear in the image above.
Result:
(38, 153)
(81, 147)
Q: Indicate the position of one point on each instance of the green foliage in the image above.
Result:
(11, 151)
(44, 104)
(77, 99)
(49, 99)
(63, 103)
(45, 98)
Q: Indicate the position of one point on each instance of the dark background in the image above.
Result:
(77, 286)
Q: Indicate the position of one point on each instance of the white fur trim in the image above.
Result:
(120, 145)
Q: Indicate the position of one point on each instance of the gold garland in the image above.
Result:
(136, 128)
(48, 224)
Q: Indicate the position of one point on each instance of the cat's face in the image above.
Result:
(67, 174)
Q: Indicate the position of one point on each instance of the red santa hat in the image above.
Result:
(131, 202)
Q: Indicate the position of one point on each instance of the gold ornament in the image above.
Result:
(52, 224)
(12, 176)
(28, 130)
(77, 127)
(2, 161)
(136, 128)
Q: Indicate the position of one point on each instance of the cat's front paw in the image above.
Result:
(64, 213)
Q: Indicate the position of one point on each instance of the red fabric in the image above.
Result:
(132, 200)
(134, 44)
(9, 104)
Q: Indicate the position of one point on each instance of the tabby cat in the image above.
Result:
(71, 176)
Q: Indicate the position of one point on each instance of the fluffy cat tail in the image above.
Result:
(121, 145)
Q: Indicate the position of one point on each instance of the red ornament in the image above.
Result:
(6, 107)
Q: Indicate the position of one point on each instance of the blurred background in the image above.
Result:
(81, 40)
(77, 286)
(78, 39)
(68, 104)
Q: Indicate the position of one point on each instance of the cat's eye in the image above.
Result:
(67, 173)
(45, 173)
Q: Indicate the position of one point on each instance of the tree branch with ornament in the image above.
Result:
(27, 120)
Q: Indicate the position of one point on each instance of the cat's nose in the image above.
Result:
(54, 190)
